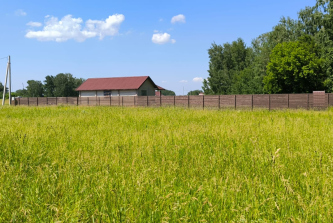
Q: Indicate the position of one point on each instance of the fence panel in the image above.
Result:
(279, 101)
(244, 101)
(142, 101)
(104, 101)
(182, 101)
(211, 101)
(42, 101)
(261, 101)
(227, 101)
(196, 101)
(297, 101)
(32, 101)
(168, 100)
(72, 100)
(23, 101)
(128, 101)
(153, 101)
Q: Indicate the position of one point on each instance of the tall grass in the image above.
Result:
(101, 164)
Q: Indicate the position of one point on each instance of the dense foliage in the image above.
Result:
(195, 92)
(61, 85)
(265, 65)
(168, 93)
(65, 164)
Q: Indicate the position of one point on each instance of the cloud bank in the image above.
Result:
(162, 38)
(198, 79)
(71, 28)
(178, 19)
(20, 12)
(34, 24)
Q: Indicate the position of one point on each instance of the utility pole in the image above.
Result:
(8, 73)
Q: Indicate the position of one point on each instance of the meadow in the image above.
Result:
(110, 164)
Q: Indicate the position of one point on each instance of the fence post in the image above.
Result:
(110, 100)
(252, 103)
(19, 101)
(122, 101)
(37, 101)
(269, 102)
(174, 101)
(160, 99)
(119, 100)
(77, 101)
(47, 100)
(188, 101)
(219, 102)
(235, 102)
(308, 106)
(28, 101)
(66, 100)
(328, 100)
(87, 100)
(288, 100)
(134, 100)
(56, 100)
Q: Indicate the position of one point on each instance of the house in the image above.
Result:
(118, 86)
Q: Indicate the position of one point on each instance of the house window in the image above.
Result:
(143, 92)
(107, 93)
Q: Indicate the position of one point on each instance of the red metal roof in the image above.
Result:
(159, 88)
(114, 83)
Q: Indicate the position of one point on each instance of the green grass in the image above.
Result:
(102, 164)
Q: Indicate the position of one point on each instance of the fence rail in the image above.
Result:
(268, 101)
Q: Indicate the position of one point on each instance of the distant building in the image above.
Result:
(118, 86)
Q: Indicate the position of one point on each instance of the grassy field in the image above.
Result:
(102, 164)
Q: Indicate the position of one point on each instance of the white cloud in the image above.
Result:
(34, 24)
(178, 18)
(71, 28)
(183, 81)
(162, 38)
(20, 12)
(161, 20)
(198, 79)
(156, 31)
(173, 41)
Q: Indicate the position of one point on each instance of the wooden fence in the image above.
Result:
(268, 101)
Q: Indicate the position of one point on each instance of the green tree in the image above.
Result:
(295, 67)
(34, 88)
(22, 92)
(1, 89)
(225, 63)
(317, 22)
(49, 86)
(168, 93)
(195, 92)
(65, 85)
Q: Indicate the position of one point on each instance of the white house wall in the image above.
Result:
(88, 93)
(113, 93)
(128, 93)
(100, 93)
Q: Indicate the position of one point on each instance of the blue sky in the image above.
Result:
(166, 40)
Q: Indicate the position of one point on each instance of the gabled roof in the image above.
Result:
(114, 83)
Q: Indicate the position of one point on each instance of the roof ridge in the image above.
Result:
(115, 77)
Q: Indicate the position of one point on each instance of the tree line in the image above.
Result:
(61, 85)
(295, 57)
